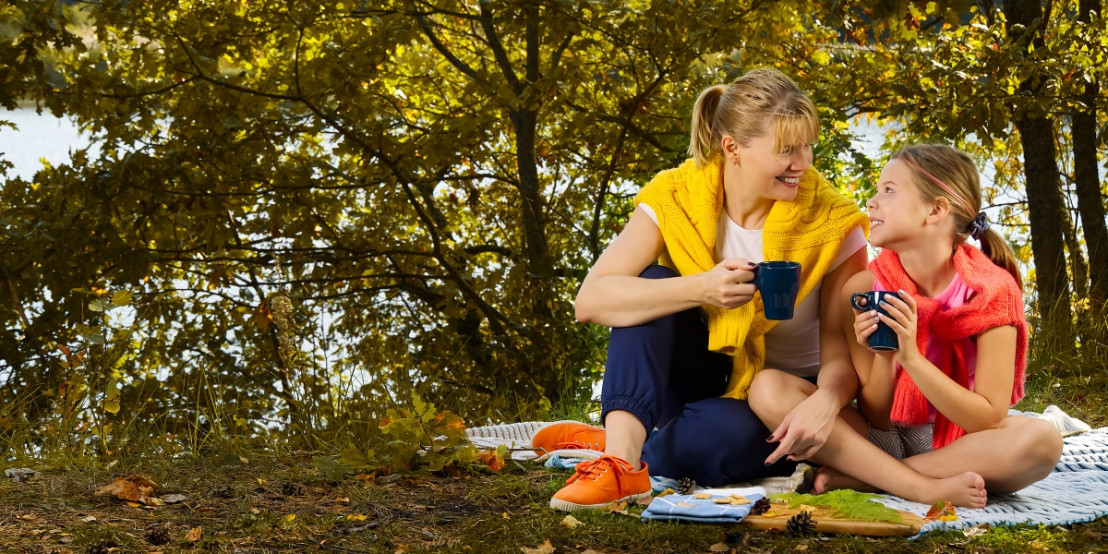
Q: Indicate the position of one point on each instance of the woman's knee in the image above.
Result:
(770, 390)
(656, 271)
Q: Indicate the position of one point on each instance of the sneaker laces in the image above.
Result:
(574, 445)
(596, 468)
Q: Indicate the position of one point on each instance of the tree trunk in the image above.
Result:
(539, 262)
(1046, 213)
(1078, 268)
(1044, 185)
(1087, 179)
(542, 352)
(526, 121)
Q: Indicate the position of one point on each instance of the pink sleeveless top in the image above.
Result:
(956, 294)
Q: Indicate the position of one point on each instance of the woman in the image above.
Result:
(689, 335)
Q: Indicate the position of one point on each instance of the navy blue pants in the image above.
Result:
(663, 373)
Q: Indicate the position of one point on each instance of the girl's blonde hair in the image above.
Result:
(943, 172)
(744, 108)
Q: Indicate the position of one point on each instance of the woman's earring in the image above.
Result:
(735, 160)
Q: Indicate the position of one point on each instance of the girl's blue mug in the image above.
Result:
(884, 338)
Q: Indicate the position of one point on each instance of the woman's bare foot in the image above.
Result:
(828, 479)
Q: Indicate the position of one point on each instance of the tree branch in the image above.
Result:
(556, 57)
(532, 34)
(145, 92)
(498, 49)
(204, 77)
(604, 185)
(446, 53)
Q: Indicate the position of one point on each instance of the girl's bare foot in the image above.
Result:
(966, 490)
(828, 479)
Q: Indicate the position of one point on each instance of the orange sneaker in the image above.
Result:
(602, 481)
(567, 435)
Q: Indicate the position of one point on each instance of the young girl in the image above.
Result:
(935, 411)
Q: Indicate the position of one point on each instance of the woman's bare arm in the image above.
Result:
(613, 294)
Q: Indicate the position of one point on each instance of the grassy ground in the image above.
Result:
(254, 502)
(267, 505)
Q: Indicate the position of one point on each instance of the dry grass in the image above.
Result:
(267, 505)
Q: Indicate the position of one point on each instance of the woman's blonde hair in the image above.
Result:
(743, 109)
(943, 172)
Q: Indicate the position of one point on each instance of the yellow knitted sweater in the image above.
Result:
(809, 229)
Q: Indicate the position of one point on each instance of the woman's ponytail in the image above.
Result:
(703, 139)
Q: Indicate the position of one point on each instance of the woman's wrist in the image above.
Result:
(698, 290)
(832, 399)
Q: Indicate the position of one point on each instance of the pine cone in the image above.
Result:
(760, 507)
(686, 485)
(736, 539)
(801, 525)
(292, 489)
(157, 536)
(808, 481)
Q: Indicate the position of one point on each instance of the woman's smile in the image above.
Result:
(791, 182)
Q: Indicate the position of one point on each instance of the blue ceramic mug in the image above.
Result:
(779, 282)
(884, 338)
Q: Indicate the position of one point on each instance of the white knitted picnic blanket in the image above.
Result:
(517, 437)
(1076, 491)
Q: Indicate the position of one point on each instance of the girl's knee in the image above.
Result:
(1040, 443)
(1048, 441)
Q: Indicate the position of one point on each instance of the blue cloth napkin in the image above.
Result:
(659, 484)
(686, 507)
(557, 462)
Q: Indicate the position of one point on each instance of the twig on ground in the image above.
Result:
(337, 548)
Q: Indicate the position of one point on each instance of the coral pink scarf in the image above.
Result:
(997, 301)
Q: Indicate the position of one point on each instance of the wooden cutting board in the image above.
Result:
(821, 516)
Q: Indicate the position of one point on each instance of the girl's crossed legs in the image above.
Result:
(1011, 456)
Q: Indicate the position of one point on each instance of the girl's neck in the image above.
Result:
(930, 265)
(745, 207)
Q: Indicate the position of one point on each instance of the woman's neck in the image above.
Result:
(745, 207)
(930, 265)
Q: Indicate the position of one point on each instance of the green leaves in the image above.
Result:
(419, 440)
(426, 438)
(427, 183)
(846, 503)
(110, 403)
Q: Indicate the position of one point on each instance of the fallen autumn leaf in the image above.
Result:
(544, 548)
(134, 488)
(194, 534)
(570, 522)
